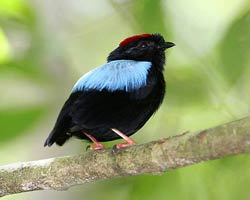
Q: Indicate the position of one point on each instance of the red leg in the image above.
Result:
(128, 142)
(96, 145)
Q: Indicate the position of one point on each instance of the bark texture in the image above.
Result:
(150, 158)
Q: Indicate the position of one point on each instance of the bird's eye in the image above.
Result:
(143, 45)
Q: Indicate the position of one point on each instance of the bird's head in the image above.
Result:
(144, 47)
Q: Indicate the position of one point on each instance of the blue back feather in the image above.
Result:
(127, 75)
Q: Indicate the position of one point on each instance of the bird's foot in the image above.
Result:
(128, 142)
(96, 146)
(125, 144)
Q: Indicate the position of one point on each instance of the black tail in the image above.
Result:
(50, 139)
(59, 140)
(59, 133)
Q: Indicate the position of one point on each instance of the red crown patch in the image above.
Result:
(133, 38)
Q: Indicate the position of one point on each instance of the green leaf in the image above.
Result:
(16, 9)
(234, 49)
(145, 16)
(4, 48)
(15, 122)
(185, 87)
(18, 18)
(27, 67)
(150, 16)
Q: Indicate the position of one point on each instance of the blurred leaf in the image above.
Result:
(235, 49)
(185, 87)
(4, 48)
(15, 122)
(144, 15)
(16, 9)
(150, 16)
(156, 187)
(25, 42)
(28, 67)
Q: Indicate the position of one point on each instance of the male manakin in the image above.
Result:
(116, 99)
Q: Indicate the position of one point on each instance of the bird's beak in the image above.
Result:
(168, 45)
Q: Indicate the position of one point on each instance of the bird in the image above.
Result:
(116, 99)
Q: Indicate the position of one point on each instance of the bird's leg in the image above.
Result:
(128, 142)
(96, 145)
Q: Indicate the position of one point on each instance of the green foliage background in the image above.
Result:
(45, 46)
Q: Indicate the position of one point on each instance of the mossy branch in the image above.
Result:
(150, 158)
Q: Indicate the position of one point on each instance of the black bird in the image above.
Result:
(116, 99)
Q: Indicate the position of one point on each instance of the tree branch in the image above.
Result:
(150, 158)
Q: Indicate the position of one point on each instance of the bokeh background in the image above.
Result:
(45, 46)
